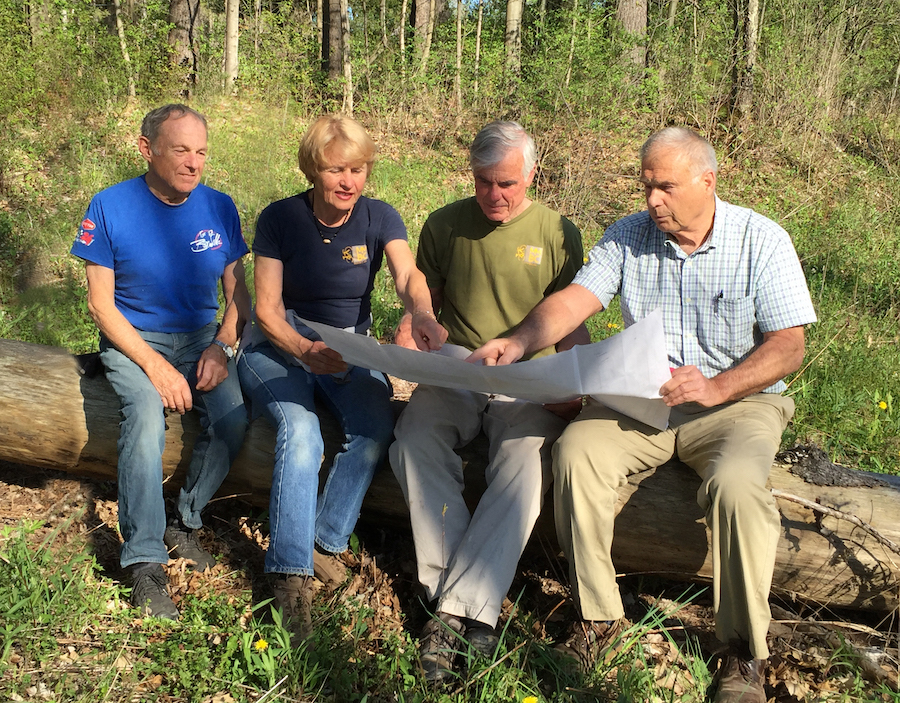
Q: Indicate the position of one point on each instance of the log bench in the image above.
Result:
(53, 416)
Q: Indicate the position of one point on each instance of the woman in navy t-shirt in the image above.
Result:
(316, 256)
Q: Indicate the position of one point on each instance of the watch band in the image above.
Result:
(229, 352)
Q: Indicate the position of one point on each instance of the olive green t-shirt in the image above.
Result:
(492, 274)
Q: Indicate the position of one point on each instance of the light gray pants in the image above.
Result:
(731, 448)
(468, 561)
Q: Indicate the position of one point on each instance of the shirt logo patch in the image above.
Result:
(529, 254)
(355, 255)
(85, 238)
(87, 224)
(206, 240)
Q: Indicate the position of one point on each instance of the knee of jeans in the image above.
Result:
(300, 438)
(143, 413)
(232, 426)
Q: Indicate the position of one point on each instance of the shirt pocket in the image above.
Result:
(732, 325)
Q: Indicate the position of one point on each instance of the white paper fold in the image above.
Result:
(623, 372)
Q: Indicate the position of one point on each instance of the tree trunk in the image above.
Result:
(429, 33)
(745, 20)
(421, 10)
(572, 42)
(332, 56)
(457, 78)
(232, 15)
(478, 43)
(55, 418)
(345, 58)
(403, 9)
(632, 17)
(513, 40)
(184, 15)
(126, 59)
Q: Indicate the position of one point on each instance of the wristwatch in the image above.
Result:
(229, 352)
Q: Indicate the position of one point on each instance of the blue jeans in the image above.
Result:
(298, 516)
(223, 421)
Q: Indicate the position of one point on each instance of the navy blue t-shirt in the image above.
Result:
(328, 283)
(167, 259)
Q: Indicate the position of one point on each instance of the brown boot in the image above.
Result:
(293, 599)
(591, 640)
(329, 569)
(741, 680)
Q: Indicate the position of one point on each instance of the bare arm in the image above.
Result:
(424, 331)
(172, 387)
(268, 278)
(557, 319)
(780, 353)
(212, 368)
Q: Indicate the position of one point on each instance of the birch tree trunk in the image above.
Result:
(346, 57)
(513, 40)
(120, 31)
(232, 15)
(745, 20)
(478, 43)
(457, 78)
(572, 42)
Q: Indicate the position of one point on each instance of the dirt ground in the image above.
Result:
(801, 667)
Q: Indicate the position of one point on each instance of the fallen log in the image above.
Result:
(53, 416)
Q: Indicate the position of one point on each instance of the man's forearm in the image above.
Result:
(780, 354)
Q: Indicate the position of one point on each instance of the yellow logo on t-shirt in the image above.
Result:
(355, 255)
(529, 254)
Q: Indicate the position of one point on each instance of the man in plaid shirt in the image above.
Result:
(734, 303)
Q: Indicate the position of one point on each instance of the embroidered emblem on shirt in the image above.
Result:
(355, 255)
(529, 254)
(87, 224)
(85, 238)
(205, 240)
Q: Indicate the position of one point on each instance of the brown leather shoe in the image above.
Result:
(741, 680)
(589, 641)
(439, 646)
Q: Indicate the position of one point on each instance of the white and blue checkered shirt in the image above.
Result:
(718, 301)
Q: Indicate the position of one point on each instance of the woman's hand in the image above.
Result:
(322, 360)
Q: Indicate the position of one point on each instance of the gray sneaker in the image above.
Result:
(439, 646)
(182, 543)
(149, 591)
(482, 638)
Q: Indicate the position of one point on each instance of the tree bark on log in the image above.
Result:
(53, 416)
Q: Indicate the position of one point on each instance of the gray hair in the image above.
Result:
(700, 152)
(154, 119)
(497, 139)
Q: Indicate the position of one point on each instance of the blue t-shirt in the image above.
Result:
(167, 259)
(327, 283)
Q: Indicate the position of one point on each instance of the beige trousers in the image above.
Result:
(468, 560)
(731, 448)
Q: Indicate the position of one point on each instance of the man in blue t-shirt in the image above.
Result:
(155, 249)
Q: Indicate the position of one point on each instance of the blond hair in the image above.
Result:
(342, 136)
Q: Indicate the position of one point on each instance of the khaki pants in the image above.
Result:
(731, 448)
(468, 561)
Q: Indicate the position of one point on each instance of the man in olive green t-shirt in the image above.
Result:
(488, 260)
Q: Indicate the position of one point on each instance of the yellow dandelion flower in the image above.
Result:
(882, 405)
(529, 699)
(261, 645)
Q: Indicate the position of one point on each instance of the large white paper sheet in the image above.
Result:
(623, 372)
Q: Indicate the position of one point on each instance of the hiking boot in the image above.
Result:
(182, 543)
(439, 645)
(482, 638)
(741, 680)
(592, 640)
(329, 569)
(149, 592)
(293, 599)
